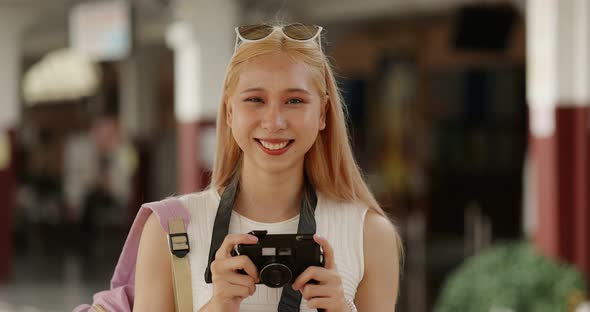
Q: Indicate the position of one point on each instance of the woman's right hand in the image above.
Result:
(229, 286)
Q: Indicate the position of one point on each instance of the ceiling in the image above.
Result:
(47, 26)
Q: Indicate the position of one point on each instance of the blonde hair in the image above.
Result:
(329, 164)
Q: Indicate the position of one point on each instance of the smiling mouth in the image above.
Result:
(274, 146)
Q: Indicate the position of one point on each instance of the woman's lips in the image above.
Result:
(274, 147)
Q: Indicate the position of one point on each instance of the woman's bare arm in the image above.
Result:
(153, 271)
(379, 288)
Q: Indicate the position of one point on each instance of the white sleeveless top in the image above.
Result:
(340, 223)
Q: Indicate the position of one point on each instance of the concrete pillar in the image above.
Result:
(202, 39)
(11, 23)
(558, 74)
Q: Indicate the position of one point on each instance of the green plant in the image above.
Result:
(510, 277)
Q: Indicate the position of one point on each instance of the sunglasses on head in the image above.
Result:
(295, 32)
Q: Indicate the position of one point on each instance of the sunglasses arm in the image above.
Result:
(236, 43)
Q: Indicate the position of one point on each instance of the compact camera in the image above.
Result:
(280, 258)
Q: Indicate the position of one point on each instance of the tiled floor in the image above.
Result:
(49, 275)
(48, 287)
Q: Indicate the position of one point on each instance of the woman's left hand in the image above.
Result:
(327, 293)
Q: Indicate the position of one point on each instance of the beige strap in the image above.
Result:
(98, 308)
(181, 270)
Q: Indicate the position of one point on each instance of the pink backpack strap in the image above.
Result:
(120, 297)
(165, 210)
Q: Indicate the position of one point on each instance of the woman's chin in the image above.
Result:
(279, 166)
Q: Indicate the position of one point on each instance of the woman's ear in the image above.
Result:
(324, 112)
(228, 113)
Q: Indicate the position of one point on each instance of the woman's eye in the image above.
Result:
(254, 99)
(294, 101)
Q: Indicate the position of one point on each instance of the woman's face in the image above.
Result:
(275, 112)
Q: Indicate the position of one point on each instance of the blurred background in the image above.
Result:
(469, 119)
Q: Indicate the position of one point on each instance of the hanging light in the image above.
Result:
(61, 75)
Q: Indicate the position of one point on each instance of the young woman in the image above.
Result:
(281, 123)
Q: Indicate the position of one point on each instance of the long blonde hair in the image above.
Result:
(329, 164)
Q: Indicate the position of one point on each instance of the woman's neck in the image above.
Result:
(269, 197)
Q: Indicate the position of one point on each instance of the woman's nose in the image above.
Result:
(273, 119)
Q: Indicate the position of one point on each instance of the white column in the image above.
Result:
(202, 39)
(580, 49)
(542, 29)
(188, 63)
(558, 59)
(558, 74)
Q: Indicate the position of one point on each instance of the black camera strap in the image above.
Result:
(290, 299)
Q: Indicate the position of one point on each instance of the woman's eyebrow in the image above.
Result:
(252, 90)
(298, 90)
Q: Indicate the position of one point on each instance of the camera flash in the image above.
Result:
(269, 251)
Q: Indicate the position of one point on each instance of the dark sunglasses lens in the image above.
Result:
(255, 32)
(301, 32)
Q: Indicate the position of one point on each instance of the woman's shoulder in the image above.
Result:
(334, 205)
(355, 211)
(207, 198)
(204, 194)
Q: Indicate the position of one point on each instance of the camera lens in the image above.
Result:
(275, 275)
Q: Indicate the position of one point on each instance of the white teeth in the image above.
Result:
(272, 146)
